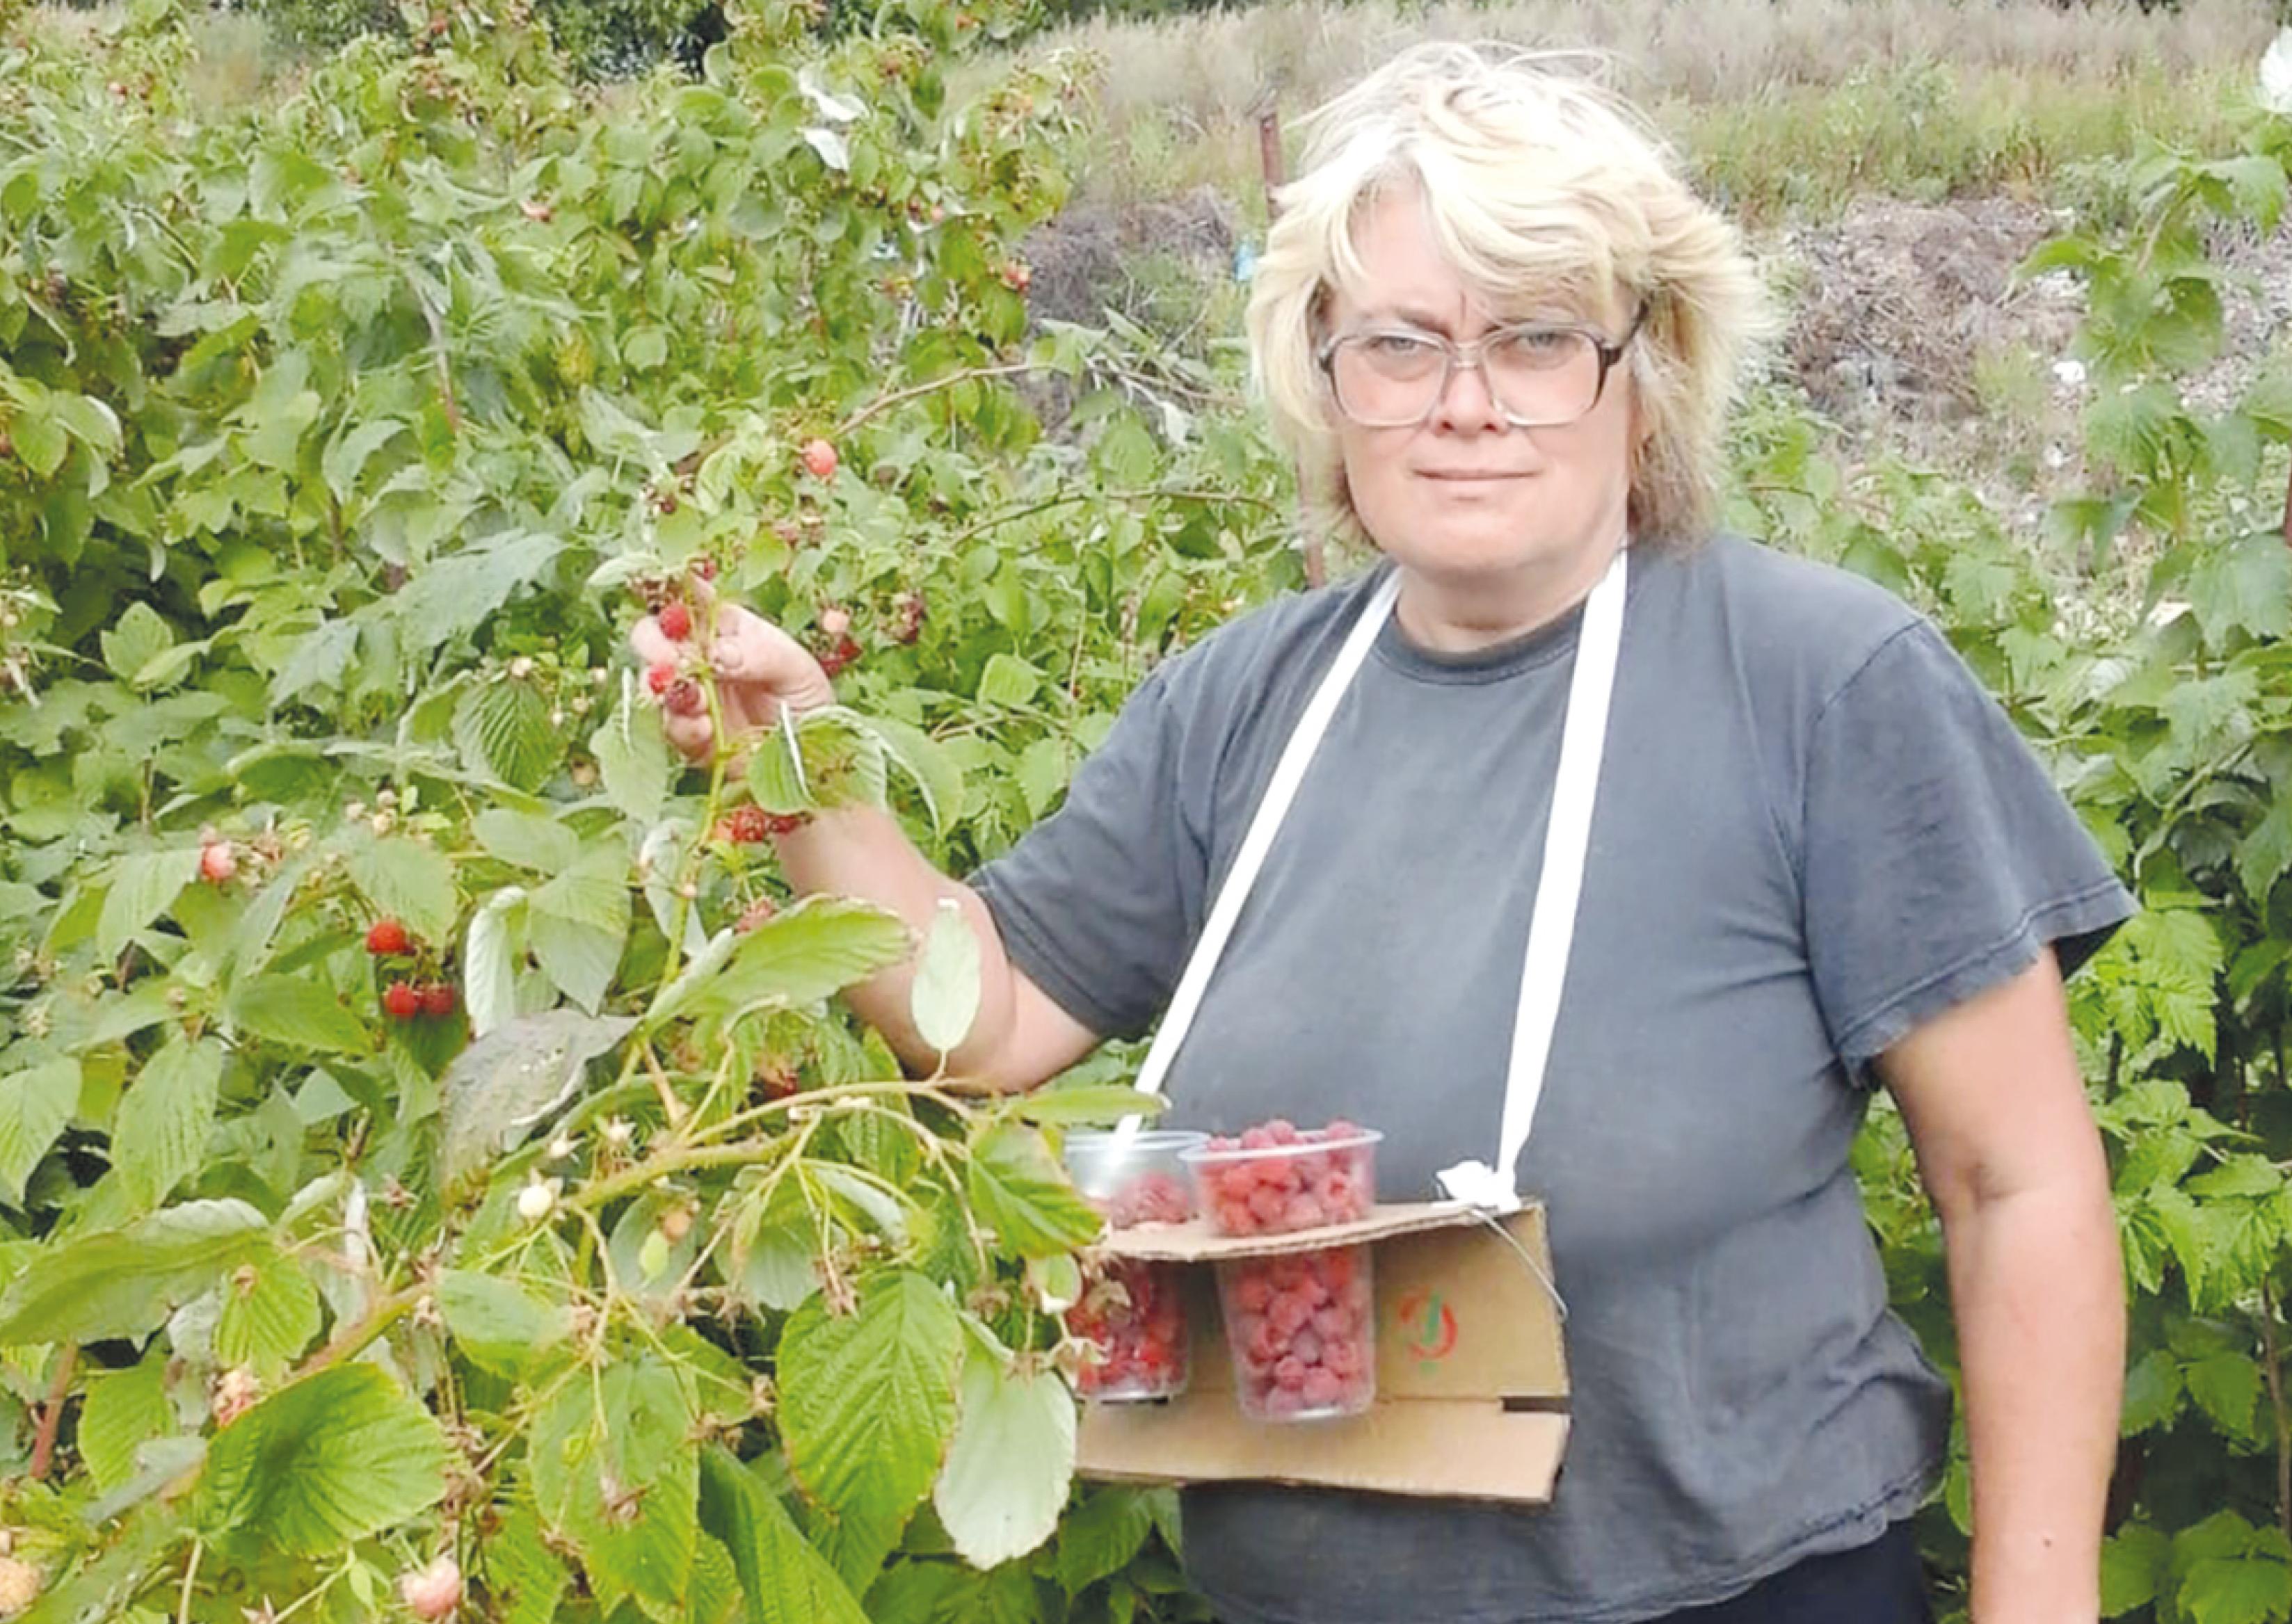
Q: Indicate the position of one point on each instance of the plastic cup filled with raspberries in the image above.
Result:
(1277, 1178)
(1133, 1309)
(1301, 1326)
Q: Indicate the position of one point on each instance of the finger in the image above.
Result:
(691, 735)
(652, 645)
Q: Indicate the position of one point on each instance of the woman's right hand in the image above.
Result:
(758, 669)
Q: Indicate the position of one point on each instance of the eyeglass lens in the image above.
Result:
(1536, 375)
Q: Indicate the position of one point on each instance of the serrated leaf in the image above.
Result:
(937, 778)
(2226, 1386)
(270, 1315)
(527, 840)
(577, 924)
(1103, 1536)
(2236, 1590)
(943, 998)
(335, 1457)
(867, 1399)
(503, 730)
(35, 1105)
(2152, 1392)
(1018, 1193)
(346, 455)
(452, 597)
(407, 881)
(632, 758)
(505, 1084)
(1010, 1465)
(162, 1132)
(497, 1323)
(302, 1013)
(144, 885)
(2245, 581)
(521, 1573)
(1008, 680)
(614, 1471)
(802, 955)
(490, 962)
(784, 1580)
(125, 1282)
(124, 1408)
(318, 659)
(140, 636)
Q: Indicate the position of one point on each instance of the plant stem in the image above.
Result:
(2273, 1370)
(884, 403)
(190, 1577)
(51, 1418)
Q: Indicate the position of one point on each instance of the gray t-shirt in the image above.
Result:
(1813, 830)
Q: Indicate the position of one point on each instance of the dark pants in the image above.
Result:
(1878, 1583)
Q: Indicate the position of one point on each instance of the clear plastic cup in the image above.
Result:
(1302, 1330)
(1275, 1179)
(1133, 1309)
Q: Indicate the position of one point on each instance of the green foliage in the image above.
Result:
(341, 441)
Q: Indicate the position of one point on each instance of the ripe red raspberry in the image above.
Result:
(659, 678)
(675, 622)
(841, 655)
(683, 698)
(746, 825)
(400, 1000)
(387, 939)
(777, 824)
(437, 1000)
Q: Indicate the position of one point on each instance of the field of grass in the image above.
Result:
(1781, 107)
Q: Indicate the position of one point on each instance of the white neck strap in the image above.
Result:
(1559, 885)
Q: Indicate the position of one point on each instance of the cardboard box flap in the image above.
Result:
(1448, 1448)
(1195, 1241)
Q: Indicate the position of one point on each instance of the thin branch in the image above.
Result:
(884, 403)
(51, 1418)
(1012, 516)
(2274, 1369)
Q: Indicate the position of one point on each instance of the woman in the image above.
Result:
(1500, 334)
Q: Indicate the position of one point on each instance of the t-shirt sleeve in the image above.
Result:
(1939, 858)
(1098, 903)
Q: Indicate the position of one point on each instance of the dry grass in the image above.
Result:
(1782, 105)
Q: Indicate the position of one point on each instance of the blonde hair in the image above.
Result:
(1536, 182)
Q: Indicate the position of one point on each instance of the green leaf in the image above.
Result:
(1018, 1191)
(2152, 1392)
(867, 1399)
(335, 1457)
(2244, 582)
(455, 596)
(141, 636)
(2226, 1386)
(126, 1283)
(497, 1323)
(35, 1105)
(614, 1471)
(1085, 1105)
(503, 730)
(1102, 1536)
(123, 1410)
(270, 1315)
(577, 924)
(2237, 1590)
(143, 886)
(299, 1013)
(410, 882)
(522, 1575)
(527, 840)
(803, 955)
(162, 1132)
(347, 454)
(633, 758)
(1008, 680)
(932, 770)
(511, 1080)
(2265, 851)
(943, 1000)
(1010, 1465)
(490, 962)
(783, 1579)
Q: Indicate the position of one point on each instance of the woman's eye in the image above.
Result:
(1398, 346)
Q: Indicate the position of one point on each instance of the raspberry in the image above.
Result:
(819, 460)
(844, 651)
(746, 825)
(217, 862)
(683, 698)
(403, 1001)
(675, 621)
(387, 939)
(660, 678)
(437, 1000)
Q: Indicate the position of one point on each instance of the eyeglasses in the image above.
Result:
(1539, 374)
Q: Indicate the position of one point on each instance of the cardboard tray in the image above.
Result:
(1471, 1377)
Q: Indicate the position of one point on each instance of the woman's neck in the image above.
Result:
(1459, 615)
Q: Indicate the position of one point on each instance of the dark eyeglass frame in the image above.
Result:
(1454, 355)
